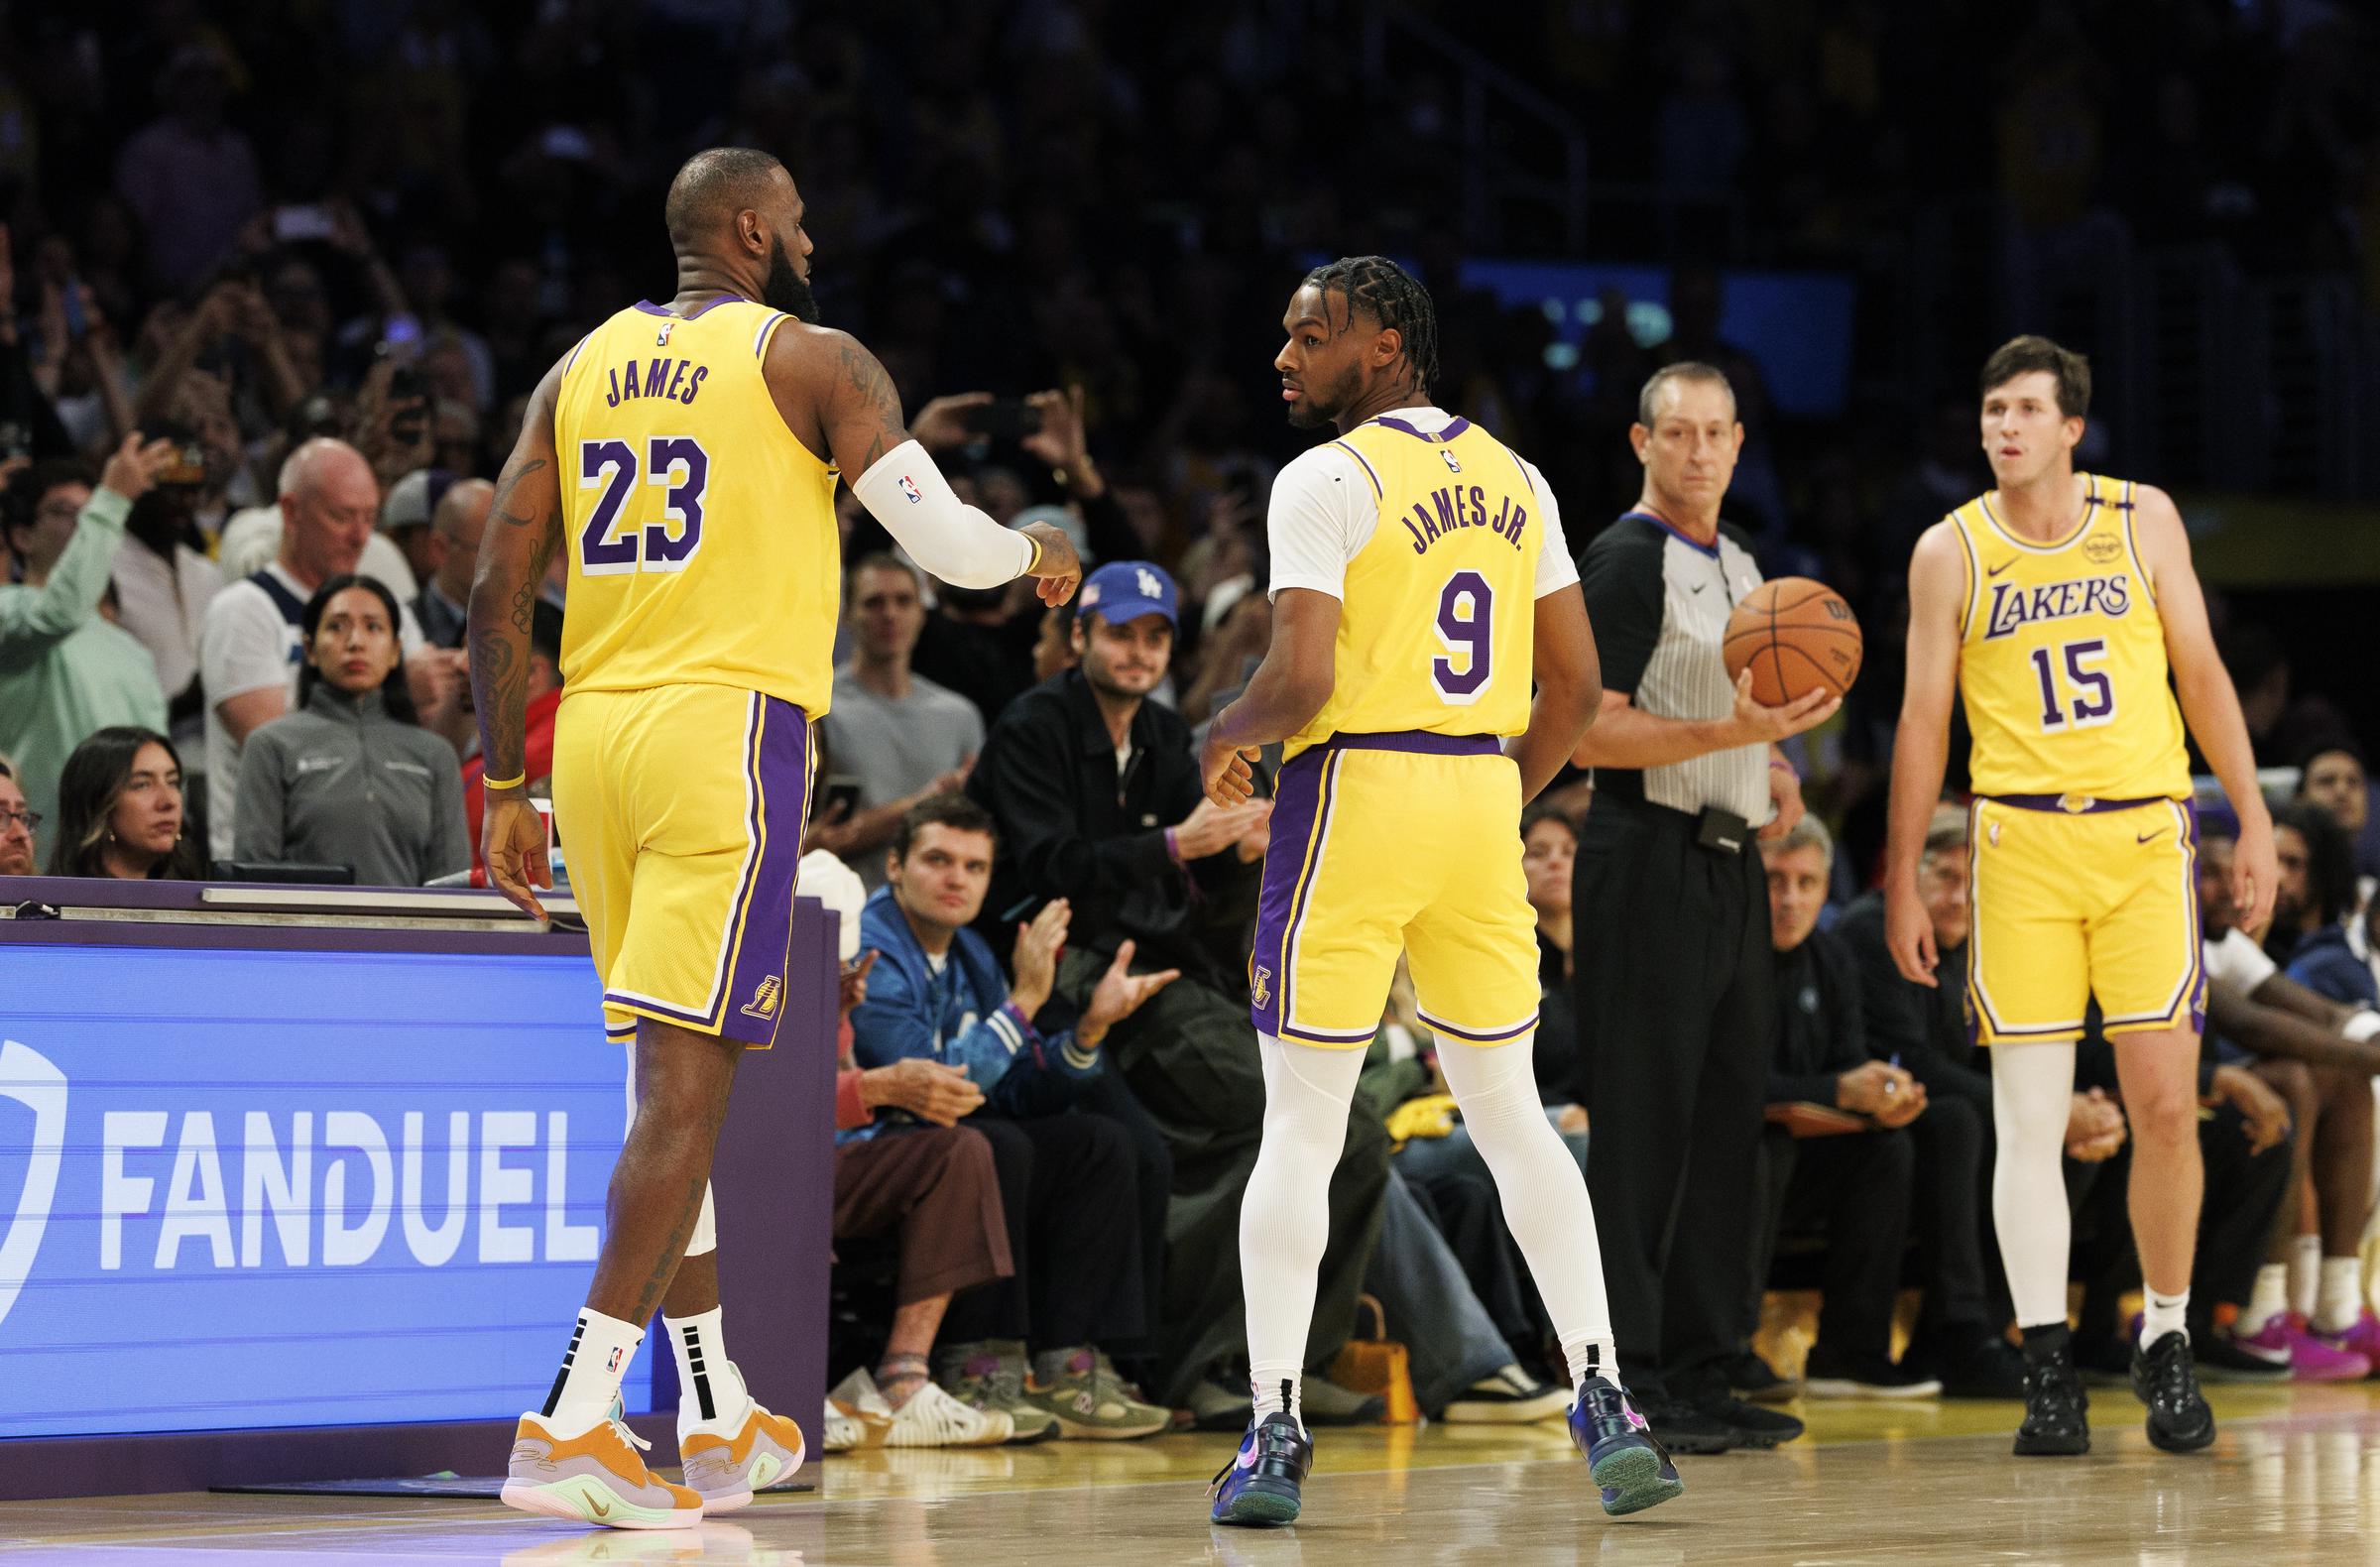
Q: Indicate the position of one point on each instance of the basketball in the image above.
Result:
(1794, 635)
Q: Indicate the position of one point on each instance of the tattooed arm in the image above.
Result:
(839, 401)
(525, 525)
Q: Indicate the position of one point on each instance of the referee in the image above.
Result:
(1670, 907)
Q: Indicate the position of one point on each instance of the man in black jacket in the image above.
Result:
(1097, 794)
(1854, 1185)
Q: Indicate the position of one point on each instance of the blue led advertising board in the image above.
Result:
(281, 1188)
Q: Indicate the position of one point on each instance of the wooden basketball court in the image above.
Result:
(2293, 1478)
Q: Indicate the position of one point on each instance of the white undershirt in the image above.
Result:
(2238, 961)
(1325, 511)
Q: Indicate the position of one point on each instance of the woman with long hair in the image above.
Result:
(119, 810)
(349, 777)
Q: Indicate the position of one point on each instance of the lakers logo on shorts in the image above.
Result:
(1261, 992)
(765, 998)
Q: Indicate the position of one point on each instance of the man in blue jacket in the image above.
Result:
(1067, 1173)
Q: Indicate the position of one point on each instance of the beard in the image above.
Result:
(1320, 406)
(785, 290)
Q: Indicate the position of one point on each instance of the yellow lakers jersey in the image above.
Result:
(1438, 614)
(702, 541)
(2063, 658)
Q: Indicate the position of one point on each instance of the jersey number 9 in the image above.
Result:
(1464, 614)
(680, 466)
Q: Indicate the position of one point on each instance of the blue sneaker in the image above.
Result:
(1259, 1487)
(1631, 1467)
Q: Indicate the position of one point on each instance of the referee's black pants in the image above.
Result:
(1674, 977)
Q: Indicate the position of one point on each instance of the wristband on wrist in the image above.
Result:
(1173, 846)
(515, 783)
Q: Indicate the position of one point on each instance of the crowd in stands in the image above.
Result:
(273, 294)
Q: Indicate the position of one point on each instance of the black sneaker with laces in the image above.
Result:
(2056, 1410)
(1681, 1427)
(2166, 1378)
(1750, 1376)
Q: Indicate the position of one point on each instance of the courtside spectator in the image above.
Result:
(1960, 1333)
(119, 810)
(254, 646)
(18, 823)
(2319, 1055)
(451, 554)
(904, 738)
(67, 670)
(1066, 1173)
(1095, 792)
(1854, 1186)
(349, 777)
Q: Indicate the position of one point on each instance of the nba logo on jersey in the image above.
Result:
(764, 997)
(662, 338)
(1448, 457)
(910, 490)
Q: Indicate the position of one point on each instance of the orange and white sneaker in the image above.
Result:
(725, 1470)
(597, 1478)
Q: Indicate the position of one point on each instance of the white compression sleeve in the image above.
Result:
(1544, 1196)
(2032, 1091)
(1285, 1215)
(955, 541)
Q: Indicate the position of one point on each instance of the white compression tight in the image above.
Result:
(2032, 1090)
(1284, 1219)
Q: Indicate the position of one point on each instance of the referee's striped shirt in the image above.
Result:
(1660, 603)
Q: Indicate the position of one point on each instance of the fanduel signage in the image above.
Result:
(248, 1189)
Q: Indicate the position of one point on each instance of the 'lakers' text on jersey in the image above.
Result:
(2082, 851)
(2062, 659)
(1395, 826)
(701, 533)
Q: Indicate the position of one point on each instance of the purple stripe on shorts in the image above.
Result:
(2091, 807)
(1498, 1037)
(1421, 742)
(755, 995)
(1298, 815)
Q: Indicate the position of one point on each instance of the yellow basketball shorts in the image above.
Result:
(2075, 899)
(1394, 843)
(679, 812)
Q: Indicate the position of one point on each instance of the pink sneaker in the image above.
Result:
(2362, 1340)
(2311, 1358)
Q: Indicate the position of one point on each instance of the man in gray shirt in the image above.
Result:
(900, 737)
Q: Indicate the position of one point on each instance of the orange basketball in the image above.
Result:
(1794, 635)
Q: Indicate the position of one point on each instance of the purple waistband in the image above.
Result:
(1422, 741)
(2074, 804)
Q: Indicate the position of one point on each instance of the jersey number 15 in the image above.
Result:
(678, 464)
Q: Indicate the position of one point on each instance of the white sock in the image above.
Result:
(2163, 1314)
(2269, 1300)
(601, 1350)
(2341, 1301)
(1285, 1215)
(2305, 1273)
(2032, 1091)
(710, 1390)
(1545, 1200)
(1590, 1357)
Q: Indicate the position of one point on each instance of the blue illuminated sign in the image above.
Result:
(255, 1188)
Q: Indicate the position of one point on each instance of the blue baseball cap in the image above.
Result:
(1125, 590)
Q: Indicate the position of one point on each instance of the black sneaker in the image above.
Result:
(1259, 1487)
(1749, 1423)
(1984, 1368)
(2220, 1359)
(2166, 1378)
(1750, 1376)
(2056, 1410)
(1681, 1427)
(1829, 1375)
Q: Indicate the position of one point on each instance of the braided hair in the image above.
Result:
(1392, 296)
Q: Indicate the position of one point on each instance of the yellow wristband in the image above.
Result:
(504, 783)
(1036, 560)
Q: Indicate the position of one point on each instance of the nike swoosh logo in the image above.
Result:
(1699, 586)
(599, 1506)
(2146, 836)
(1993, 571)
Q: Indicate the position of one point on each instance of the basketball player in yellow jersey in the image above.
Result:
(2060, 602)
(685, 457)
(1420, 586)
